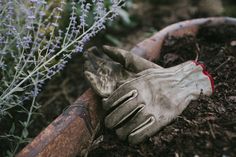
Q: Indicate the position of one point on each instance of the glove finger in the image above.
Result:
(145, 130)
(132, 125)
(93, 60)
(129, 60)
(103, 87)
(119, 96)
(122, 113)
(88, 67)
(99, 53)
(102, 73)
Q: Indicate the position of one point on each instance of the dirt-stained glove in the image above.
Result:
(105, 74)
(153, 97)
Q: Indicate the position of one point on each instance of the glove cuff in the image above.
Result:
(191, 71)
(193, 78)
(206, 73)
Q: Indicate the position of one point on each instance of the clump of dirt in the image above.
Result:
(208, 125)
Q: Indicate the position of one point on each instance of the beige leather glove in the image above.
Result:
(152, 98)
(105, 74)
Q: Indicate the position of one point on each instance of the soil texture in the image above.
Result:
(207, 127)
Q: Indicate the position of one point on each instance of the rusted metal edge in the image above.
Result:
(71, 132)
(150, 48)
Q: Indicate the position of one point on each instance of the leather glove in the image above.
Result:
(153, 97)
(105, 74)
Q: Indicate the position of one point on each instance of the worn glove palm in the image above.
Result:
(146, 101)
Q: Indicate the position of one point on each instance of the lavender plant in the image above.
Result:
(33, 48)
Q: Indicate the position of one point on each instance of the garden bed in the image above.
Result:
(207, 127)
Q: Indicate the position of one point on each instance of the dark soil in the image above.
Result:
(208, 125)
(206, 128)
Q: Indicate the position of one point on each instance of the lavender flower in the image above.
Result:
(33, 48)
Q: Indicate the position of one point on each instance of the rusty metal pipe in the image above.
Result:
(70, 133)
(150, 48)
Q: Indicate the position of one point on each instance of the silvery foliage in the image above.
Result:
(33, 48)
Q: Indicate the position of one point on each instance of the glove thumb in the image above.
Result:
(129, 60)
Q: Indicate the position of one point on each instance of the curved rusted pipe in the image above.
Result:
(71, 132)
(150, 48)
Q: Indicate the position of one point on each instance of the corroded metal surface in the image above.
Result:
(71, 132)
(151, 47)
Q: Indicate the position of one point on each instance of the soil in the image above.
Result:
(207, 127)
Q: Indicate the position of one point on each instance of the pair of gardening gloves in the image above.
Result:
(139, 96)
